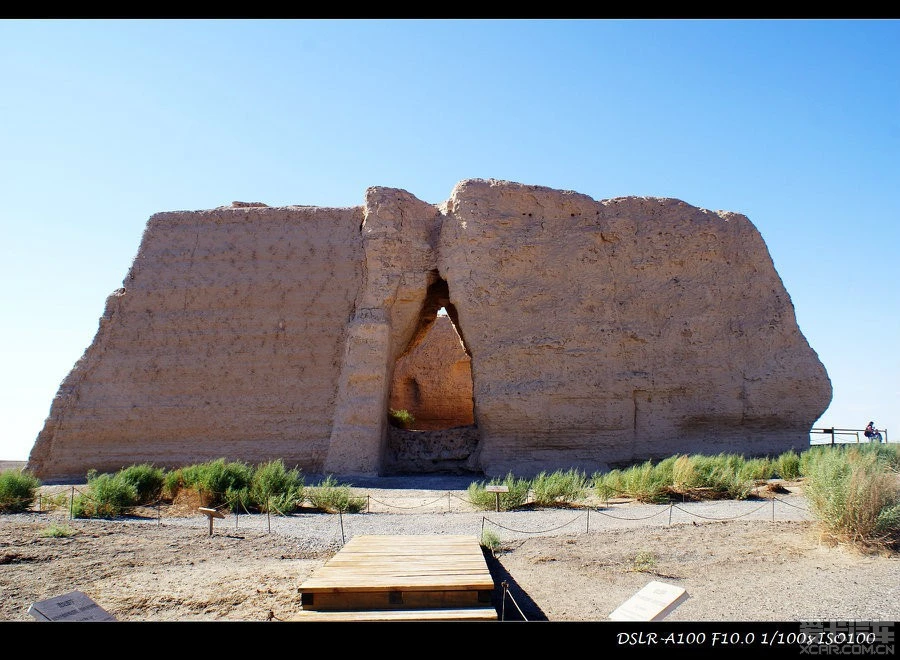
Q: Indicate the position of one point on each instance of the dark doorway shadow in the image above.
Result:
(517, 605)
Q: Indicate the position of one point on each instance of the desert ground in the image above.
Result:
(163, 565)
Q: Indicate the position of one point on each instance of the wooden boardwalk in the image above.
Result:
(380, 578)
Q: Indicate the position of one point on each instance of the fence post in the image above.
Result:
(40, 504)
(588, 520)
(158, 514)
(505, 586)
(368, 502)
(268, 513)
(341, 516)
(773, 508)
(671, 506)
(72, 505)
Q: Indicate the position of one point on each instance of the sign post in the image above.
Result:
(496, 490)
(210, 513)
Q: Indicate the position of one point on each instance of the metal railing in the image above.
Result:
(845, 436)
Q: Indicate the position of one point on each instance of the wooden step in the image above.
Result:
(432, 614)
(440, 573)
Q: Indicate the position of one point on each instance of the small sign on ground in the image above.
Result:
(73, 606)
(211, 514)
(652, 603)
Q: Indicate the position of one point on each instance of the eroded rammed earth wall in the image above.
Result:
(599, 332)
(226, 340)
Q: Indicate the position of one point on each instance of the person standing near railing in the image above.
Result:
(873, 434)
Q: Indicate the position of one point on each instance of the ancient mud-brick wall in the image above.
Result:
(625, 328)
(598, 331)
(225, 340)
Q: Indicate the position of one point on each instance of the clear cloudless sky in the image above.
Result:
(794, 123)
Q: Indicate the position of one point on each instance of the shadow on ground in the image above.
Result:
(517, 605)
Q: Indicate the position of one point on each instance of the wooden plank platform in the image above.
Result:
(432, 614)
(372, 576)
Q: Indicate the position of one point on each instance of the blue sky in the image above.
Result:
(794, 123)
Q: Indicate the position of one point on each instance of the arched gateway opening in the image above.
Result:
(431, 417)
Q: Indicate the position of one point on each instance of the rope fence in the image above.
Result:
(237, 505)
(507, 594)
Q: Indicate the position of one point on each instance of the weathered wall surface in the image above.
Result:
(418, 452)
(226, 340)
(627, 328)
(599, 332)
(398, 236)
(434, 380)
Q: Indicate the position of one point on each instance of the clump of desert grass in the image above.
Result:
(107, 496)
(559, 488)
(274, 488)
(18, 490)
(517, 496)
(643, 562)
(854, 493)
(685, 477)
(220, 483)
(232, 485)
(57, 531)
(331, 496)
(787, 466)
(490, 540)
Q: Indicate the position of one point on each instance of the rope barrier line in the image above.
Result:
(802, 508)
(507, 592)
(420, 506)
(697, 515)
(653, 515)
(522, 531)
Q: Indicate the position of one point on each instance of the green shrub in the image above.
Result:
(58, 501)
(58, 531)
(889, 454)
(238, 499)
(332, 497)
(787, 465)
(173, 482)
(643, 562)
(402, 419)
(811, 455)
(147, 480)
(516, 497)
(275, 487)
(664, 471)
(756, 469)
(18, 490)
(490, 540)
(644, 484)
(605, 485)
(216, 479)
(108, 496)
(686, 475)
(727, 475)
(855, 496)
(610, 484)
(559, 488)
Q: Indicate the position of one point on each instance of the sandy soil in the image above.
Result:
(755, 570)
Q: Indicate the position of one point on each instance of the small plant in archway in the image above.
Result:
(402, 419)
